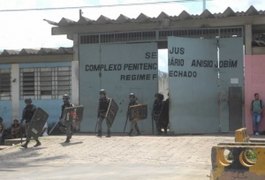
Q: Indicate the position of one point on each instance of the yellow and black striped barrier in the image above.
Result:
(241, 135)
(238, 161)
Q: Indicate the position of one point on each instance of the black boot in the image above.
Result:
(130, 133)
(67, 140)
(25, 145)
(108, 134)
(138, 132)
(99, 134)
(37, 144)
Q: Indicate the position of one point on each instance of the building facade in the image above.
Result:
(203, 100)
(43, 75)
(215, 67)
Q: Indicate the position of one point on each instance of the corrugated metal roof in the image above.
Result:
(144, 18)
(10, 52)
(42, 51)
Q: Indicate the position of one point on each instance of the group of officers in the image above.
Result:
(159, 116)
(28, 113)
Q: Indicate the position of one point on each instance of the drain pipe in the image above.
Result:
(218, 81)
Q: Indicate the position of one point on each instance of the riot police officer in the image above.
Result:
(156, 111)
(67, 124)
(134, 126)
(102, 110)
(165, 115)
(27, 114)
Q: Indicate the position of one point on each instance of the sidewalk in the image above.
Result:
(119, 157)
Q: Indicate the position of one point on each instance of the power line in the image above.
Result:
(100, 6)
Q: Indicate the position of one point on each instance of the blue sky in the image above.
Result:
(26, 29)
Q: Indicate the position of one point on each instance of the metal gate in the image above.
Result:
(120, 69)
(200, 74)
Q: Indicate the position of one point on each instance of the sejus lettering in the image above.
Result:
(184, 74)
(151, 55)
(176, 50)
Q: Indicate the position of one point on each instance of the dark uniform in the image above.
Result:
(2, 132)
(28, 112)
(157, 110)
(67, 124)
(102, 110)
(134, 126)
(165, 115)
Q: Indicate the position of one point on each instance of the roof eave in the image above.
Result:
(156, 25)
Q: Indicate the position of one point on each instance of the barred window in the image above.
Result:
(63, 80)
(5, 84)
(45, 83)
(28, 79)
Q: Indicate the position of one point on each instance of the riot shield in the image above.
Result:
(138, 112)
(73, 115)
(111, 112)
(37, 122)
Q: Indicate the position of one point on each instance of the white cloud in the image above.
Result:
(236, 5)
(27, 29)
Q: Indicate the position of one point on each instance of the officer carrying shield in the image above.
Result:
(28, 112)
(102, 110)
(134, 126)
(67, 124)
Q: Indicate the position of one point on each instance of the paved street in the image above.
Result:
(119, 157)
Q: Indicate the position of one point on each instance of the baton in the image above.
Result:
(108, 123)
(152, 124)
(125, 125)
(96, 125)
(21, 133)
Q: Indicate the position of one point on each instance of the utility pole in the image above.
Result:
(203, 5)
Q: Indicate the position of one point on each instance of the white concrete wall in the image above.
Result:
(15, 90)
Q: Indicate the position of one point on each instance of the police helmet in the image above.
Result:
(131, 95)
(161, 96)
(66, 97)
(28, 100)
(102, 91)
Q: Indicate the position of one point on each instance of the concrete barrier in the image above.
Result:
(241, 135)
(238, 161)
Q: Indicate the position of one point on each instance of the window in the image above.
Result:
(28, 83)
(45, 83)
(5, 84)
(63, 80)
